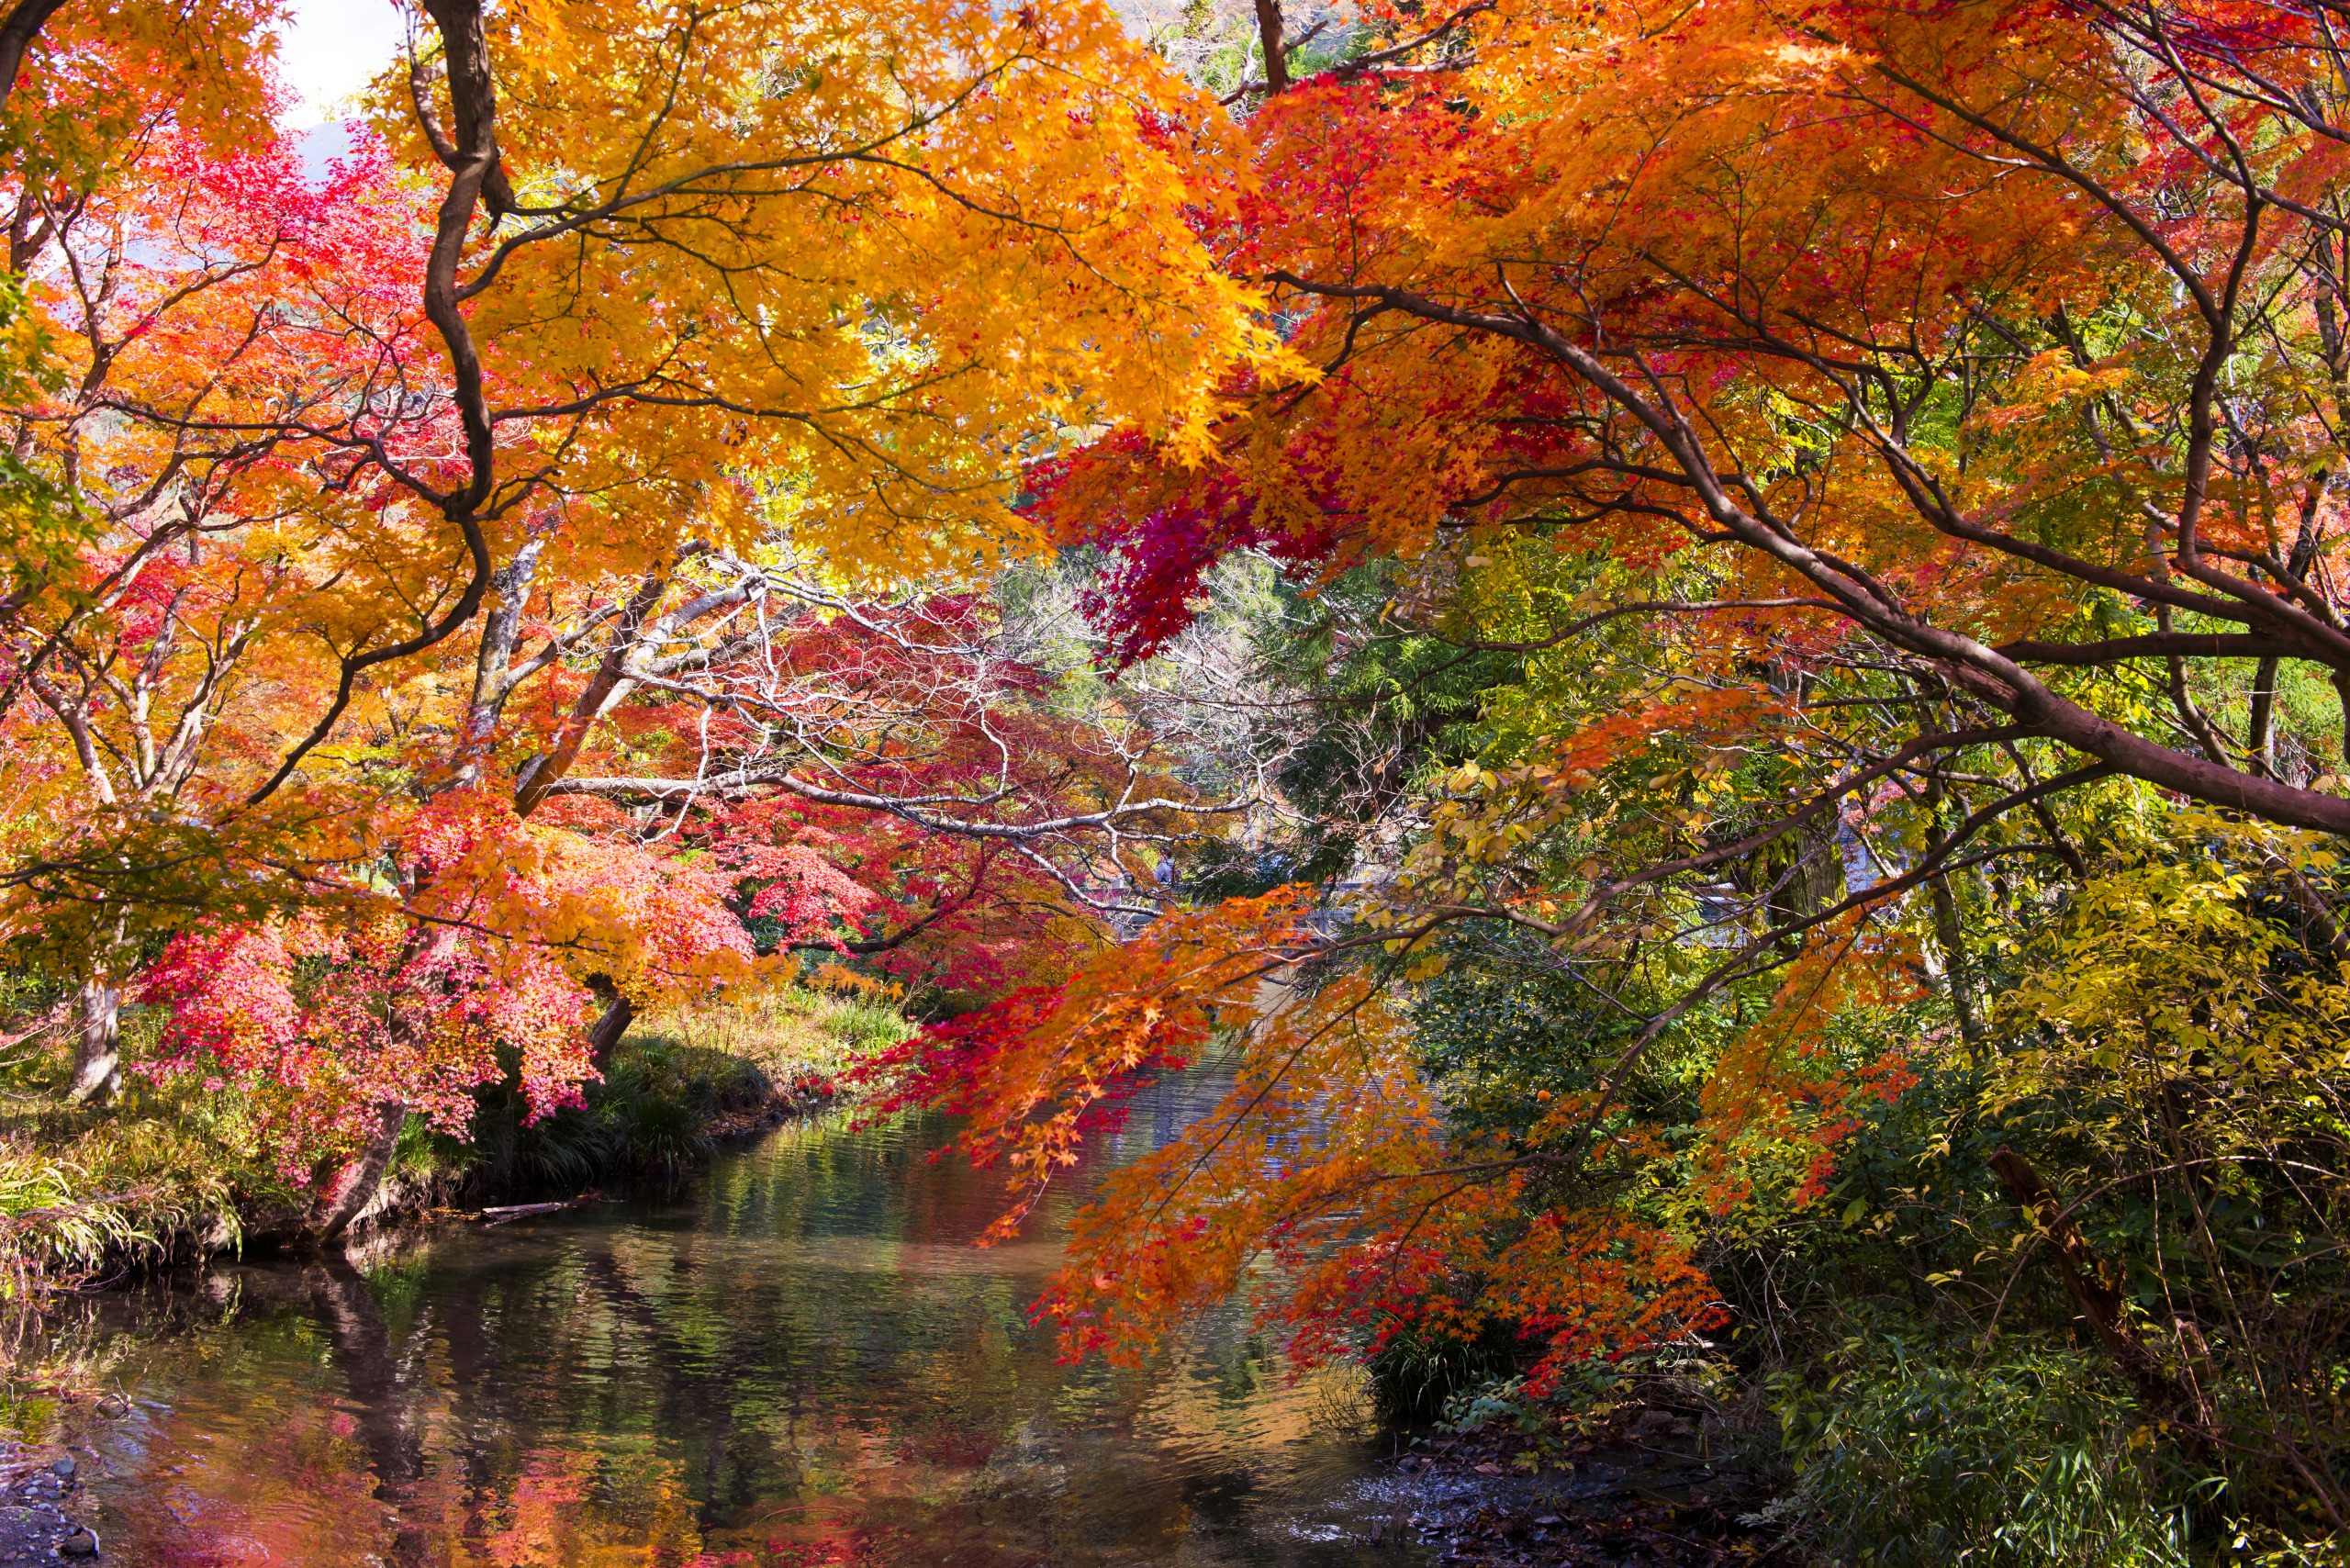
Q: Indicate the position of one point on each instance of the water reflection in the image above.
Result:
(802, 1360)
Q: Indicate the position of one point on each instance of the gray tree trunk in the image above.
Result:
(97, 1059)
(356, 1184)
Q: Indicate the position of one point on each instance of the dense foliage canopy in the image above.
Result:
(1701, 649)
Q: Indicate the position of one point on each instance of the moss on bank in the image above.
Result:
(176, 1171)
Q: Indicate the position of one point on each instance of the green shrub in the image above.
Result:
(1907, 1458)
(1418, 1377)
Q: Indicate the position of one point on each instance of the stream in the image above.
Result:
(797, 1358)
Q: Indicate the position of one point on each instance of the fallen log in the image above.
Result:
(501, 1213)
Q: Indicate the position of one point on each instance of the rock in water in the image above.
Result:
(81, 1543)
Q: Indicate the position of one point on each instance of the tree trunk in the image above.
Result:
(356, 1184)
(2098, 1297)
(17, 31)
(1950, 935)
(1958, 969)
(2260, 734)
(98, 1061)
(619, 1013)
(1269, 30)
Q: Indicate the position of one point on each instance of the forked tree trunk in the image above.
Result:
(97, 1059)
(355, 1185)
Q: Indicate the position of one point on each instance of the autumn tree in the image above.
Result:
(510, 369)
(1877, 459)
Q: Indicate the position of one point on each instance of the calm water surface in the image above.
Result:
(799, 1360)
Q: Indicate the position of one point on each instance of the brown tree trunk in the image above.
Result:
(619, 1013)
(1269, 28)
(17, 29)
(2100, 1301)
(355, 1185)
(98, 1061)
(2260, 734)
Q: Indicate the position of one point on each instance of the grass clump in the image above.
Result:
(798, 1035)
(88, 1192)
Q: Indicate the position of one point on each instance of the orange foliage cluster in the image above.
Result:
(1323, 1179)
(1882, 343)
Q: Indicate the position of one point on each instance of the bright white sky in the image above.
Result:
(331, 50)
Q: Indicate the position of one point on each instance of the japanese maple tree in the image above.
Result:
(332, 446)
(1886, 443)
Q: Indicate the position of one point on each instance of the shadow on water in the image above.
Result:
(799, 1360)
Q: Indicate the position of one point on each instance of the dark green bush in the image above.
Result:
(1416, 1374)
(1918, 1457)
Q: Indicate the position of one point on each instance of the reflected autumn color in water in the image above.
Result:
(799, 1361)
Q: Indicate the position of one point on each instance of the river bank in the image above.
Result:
(1644, 1495)
(175, 1174)
(36, 1495)
(793, 1358)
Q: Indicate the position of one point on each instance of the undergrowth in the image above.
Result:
(165, 1172)
(677, 1085)
(1914, 1456)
